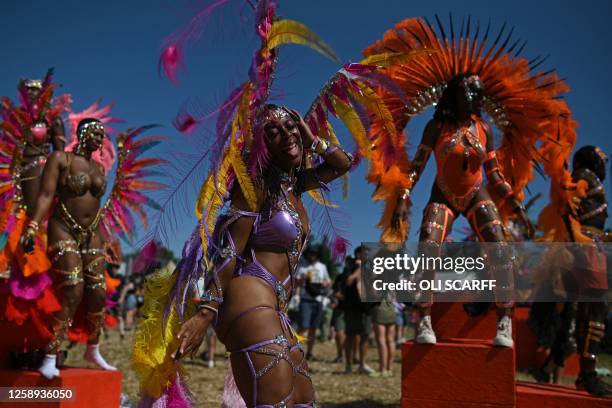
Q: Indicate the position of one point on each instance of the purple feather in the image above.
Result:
(227, 108)
(362, 112)
(187, 271)
(376, 78)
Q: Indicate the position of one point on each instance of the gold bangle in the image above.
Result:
(212, 309)
(321, 147)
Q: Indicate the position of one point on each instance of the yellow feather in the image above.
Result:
(154, 342)
(244, 114)
(319, 199)
(235, 157)
(245, 181)
(385, 59)
(376, 106)
(293, 32)
(351, 120)
(204, 196)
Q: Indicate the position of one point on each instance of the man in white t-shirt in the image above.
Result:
(314, 283)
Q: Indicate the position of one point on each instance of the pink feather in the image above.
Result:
(175, 396)
(173, 57)
(146, 257)
(29, 288)
(184, 122)
(231, 395)
(339, 247)
(92, 111)
(170, 61)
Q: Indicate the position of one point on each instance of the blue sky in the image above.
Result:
(110, 50)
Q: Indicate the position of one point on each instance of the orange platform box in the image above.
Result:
(450, 321)
(91, 388)
(532, 395)
(457, 373)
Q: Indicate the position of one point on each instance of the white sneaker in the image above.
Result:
(365, 369)
(211, 363)
(503, 338)
(92, 354)
(425, 333)
(48, 368)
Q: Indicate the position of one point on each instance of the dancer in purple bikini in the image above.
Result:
(257, 254)
(253, 225)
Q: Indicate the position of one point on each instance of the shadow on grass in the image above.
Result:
(366, 403)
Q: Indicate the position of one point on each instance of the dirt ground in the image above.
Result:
(334, 389)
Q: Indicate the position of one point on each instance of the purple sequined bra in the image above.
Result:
(279, 231)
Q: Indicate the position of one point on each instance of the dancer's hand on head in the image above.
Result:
(307, 137)
(192, 334)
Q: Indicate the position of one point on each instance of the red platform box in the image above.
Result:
(450, 321)
(532, 395)
(457, 373)
(91, 388)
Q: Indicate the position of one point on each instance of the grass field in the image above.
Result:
(334, 389)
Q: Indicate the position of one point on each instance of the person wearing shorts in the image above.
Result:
(315, 282)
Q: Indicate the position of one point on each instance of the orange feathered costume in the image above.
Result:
(524, 104)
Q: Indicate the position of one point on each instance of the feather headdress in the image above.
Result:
(524, 103)
(107, 154)
(128, 192)
(16, 122)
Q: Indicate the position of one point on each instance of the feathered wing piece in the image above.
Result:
(350, 95)
(16, 124)
(524, 104)
(128, 197)
(157, 371)
(27, 300)
(107, 155)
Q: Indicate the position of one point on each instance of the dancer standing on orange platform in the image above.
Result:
(28, 133)
(80, 224)
(467, 79)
